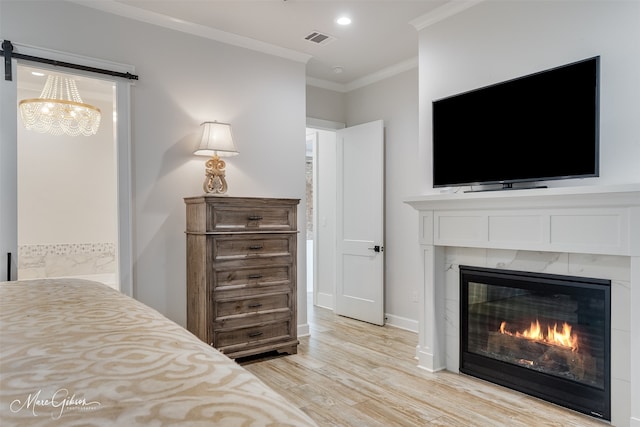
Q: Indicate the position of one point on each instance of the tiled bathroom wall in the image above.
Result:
(65, 259)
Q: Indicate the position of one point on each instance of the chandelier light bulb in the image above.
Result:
(60, 110)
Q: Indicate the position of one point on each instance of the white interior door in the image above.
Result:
(360, 222)
(8, 177)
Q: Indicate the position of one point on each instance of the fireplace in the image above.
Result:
(591, 231)
(542, 334)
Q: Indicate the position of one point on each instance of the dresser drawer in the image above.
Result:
(262, 277)
(259, 277)
(253, 245)
(252, 304)
(236, 218)
(251, 334)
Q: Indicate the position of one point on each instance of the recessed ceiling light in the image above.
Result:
(343, 20)
(37, 73)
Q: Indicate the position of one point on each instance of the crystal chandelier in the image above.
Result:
(60, 110)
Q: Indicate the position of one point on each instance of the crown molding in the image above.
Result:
(127, 11)
(326, 84)
(385, 73)
(161, 20)
(443, 12)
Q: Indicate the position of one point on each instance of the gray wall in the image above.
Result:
(326, 104)
(395, 100)
(184, 80)
(490, 42)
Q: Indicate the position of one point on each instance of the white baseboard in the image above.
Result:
(401, 323)
(303, 330)
(325, 300)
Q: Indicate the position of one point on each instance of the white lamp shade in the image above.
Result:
(216, 139)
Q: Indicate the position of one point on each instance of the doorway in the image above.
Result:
(310, 221)
(67, 205)
(347, 200)
(321, 213)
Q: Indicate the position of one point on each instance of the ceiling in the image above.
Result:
(381, 37)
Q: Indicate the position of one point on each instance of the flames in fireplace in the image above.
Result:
(550, 350)
(562, 338)
(550, 345)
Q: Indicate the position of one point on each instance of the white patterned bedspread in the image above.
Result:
(75, 352)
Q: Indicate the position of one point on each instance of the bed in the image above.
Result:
(76, 352)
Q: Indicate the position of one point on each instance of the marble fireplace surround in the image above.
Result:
(581, 231)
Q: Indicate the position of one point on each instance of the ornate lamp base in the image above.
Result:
(215, 182)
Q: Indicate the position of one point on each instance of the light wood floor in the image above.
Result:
(350, 373)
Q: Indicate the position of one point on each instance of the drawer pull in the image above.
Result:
(255, 276)
(255, 247)
(254, 218)
(257, 305)
(254, 334)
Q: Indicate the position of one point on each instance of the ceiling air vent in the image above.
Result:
(319, 38)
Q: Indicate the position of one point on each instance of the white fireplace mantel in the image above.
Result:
(597, 220)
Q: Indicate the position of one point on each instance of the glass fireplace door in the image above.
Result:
(545, 335)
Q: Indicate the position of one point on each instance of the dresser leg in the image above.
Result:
(290, 350)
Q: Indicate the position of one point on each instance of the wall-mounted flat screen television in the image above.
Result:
(543, 126)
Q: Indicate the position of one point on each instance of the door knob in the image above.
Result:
(376, 248)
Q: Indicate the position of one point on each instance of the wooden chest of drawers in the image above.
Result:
(241, 273)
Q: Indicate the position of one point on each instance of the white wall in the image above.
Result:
(184, 80)
(395, 100)
(497, 40)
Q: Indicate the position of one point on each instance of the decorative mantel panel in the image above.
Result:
(594, 221)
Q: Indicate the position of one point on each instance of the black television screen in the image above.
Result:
(538, 127)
